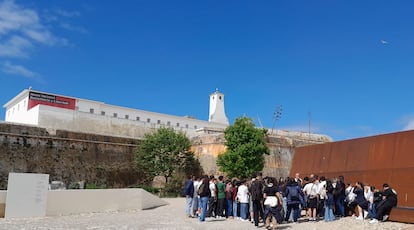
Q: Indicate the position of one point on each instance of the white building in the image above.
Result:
(53, 112)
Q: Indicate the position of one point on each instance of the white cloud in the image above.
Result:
(13, 17)
(21, 29)
(73, 28)
(410, 125)
(10, 68)
(16, 46)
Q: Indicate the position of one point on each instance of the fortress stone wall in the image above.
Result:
(96, 159)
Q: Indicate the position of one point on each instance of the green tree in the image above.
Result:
(163, 153)
(245, 151)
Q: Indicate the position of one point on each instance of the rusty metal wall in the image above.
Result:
(372, 160)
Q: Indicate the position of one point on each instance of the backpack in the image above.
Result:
(256, 190)
(294, 193)
(200, 189)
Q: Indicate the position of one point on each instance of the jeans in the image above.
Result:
(329, 216)
(230, 207)
(243, 210)
(372, 211)
(296, 212)
(204, 202)
(189, 205)
(340, 205)
(235, 209)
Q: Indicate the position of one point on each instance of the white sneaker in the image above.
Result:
(359, 218)
(385, 218)
(373, 221)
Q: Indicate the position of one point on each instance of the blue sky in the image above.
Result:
(344, 67)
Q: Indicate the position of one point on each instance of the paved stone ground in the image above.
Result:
(171, 217)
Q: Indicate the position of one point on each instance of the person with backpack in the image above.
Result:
(204, 192)
(293, 197)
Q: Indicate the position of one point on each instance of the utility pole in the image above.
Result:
(276, 116)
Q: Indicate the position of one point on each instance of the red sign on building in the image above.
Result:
(51, 100)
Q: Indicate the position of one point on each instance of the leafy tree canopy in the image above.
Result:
(164, 152)
(245, 151)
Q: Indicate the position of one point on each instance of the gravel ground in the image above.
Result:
(172, 217)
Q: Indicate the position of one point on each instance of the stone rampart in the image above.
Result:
(106, 160)
(67, 156)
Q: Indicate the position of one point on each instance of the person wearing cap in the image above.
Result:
(389, 200)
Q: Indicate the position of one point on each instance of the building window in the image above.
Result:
(168, 123)
(115, 115)
(137, 118)
(178, 124)
(91, 110)
(159, 122)
(186, 126)
(126, 116)
(148, 120)
(195, 126)
(103, 113)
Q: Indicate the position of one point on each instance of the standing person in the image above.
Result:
(221, 198)
(229, 199)
(271, 211)
(339, 196)
(329, 203)
(293, 193)
(189, 193)
(196, 200)
(204, 193)
(212, 201)
(298, 179)
(389, 200)
(236, 185)
(243, 197)
(256, 191)
(311, 192)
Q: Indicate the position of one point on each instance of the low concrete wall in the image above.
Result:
(66, 202)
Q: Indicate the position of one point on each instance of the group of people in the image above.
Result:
(279, 201)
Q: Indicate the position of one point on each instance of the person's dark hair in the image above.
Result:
(220, 178)
(306, 178)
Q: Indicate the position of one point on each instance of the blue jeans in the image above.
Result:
(329, 216)
(235, 209)
(189, 205)
(296, 212)
(230, 207)
(243, 210)
(340, 205)
(204, 202)
(372, 211)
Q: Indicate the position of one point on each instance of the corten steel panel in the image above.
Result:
(356, 161)
(382, 152)
(404, 150)
(373, 160)
(339, 158)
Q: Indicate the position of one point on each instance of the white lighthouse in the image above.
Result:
(217, 113)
